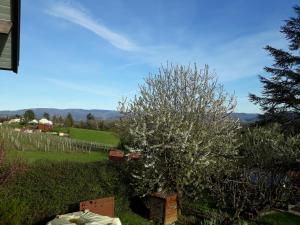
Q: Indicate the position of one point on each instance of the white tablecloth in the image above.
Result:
(84, 218)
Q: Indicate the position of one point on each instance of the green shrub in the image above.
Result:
(279, 218)
(12, 212)
(61, 129)
(267, 147)
(51, 188)
(209, 222)
(257, 179)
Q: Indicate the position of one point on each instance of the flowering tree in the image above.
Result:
(181, 123)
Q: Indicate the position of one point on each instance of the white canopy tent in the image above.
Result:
(45, 121)
(33, 121)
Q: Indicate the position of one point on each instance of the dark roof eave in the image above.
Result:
(16, 15)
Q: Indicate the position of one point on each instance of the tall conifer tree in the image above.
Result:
(281, 91)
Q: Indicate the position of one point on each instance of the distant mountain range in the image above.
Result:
(246, 117)
(80, 114)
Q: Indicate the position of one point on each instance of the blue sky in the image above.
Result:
(89, 54)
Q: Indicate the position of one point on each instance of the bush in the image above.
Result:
(257, 179)
(268, 148)
(12, 212)
(51, 188)
(61, 129)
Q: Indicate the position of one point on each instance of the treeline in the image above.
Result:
(89, 123)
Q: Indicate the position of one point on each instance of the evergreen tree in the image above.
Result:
(54, 119)
(29, 115)
(90, 116)
(91, 122)
(46, 115)
(82, 124)
(60, 120)
(69, 122)
(281, 92)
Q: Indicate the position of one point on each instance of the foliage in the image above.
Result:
(202, 208)
(209, 222)
(91, 122)
(257, 179)
(96, 124)
(29, 115)
(7, 170)
(269, 148)
(121, 129)
(289, 122)
(90, 116)
(281, 91)
(58, 120)
(46, 115)
(58, 129)
(2, 157)
(69, 121)
(186, 220)
(12, 212)
(181, 122)
(51, 188)
(33, 156)
(4, 119)
(279, 218)
(129, 218)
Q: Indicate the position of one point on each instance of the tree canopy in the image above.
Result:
(181, 123)
(46, 115)
(90, 116)
(69, 121)
(29, 115)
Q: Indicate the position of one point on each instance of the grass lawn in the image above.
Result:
(130, 218)
(280, 218)
(32, 156)
(102, 137)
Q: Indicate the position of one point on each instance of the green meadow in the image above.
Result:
(101, 137)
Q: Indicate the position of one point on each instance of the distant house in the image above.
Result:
(33, 122)
(16, 120)
(45, 125)
(9, 34)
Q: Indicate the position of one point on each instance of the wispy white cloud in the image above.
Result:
(79, 16)
(232, 59)
(85, 88)
(244, 56)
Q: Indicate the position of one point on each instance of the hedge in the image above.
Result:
(50, 188)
